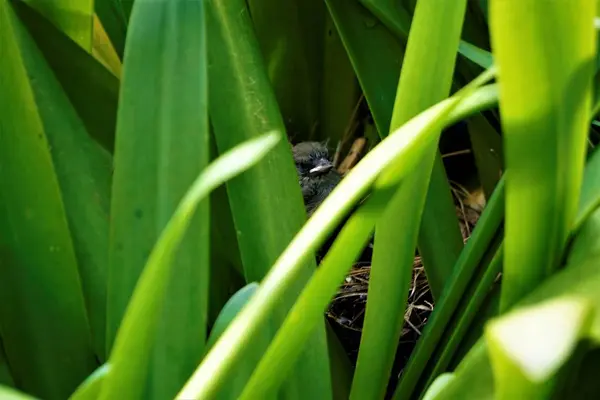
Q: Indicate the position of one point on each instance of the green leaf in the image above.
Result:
(45, 329)
(375, 56)
(84, 172)
(523, 364)
(290, 35)
(162, 144)
(243, 106)
(339, 93)
(81, 76)
(341, 369)
(398, 20)
(246, 367)
(229, 311)
(141, 322)
(590, 190)
(7, 393)
(5, 375)
(114, 22)
(479, 56)
(545, 103)
(91, 386)
(73, 17)
(487, 150)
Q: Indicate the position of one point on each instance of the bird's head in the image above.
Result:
(312, 159)
(316, 174)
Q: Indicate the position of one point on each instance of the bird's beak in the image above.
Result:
(323, 166)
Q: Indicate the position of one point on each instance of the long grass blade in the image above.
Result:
(6, 378)
(482, 236)
(7, 393)
(91, 386)
(43, 320)
(456, 333)
(242, 105)
(113, 20)
(81, 76)
(375, 54)
(73, 17)
(545, 102)
(246, 367)
(140, 323)
(339, 92)
(103, 49)
(84, 172)
(590, 190)
(162, 144)
(290, 35)
(422, 82)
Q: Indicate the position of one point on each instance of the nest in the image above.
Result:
(347, 309)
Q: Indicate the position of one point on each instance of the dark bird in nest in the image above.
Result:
(316, 173)
(318, 177)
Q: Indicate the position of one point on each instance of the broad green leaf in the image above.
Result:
(424, 203)
(339, 92)
(44, 326)
(438, 386)
(375, 56)
(408, 144)
(162, 144)
(114, 22)
(103, 49)
(242, 105)
(7, 393)
(479, 56)
(590, 190)
(81, 76)
(398, 20)
(84, 172)
(229, 311)
(290, 35)
(5, 375)
(226, 270)
(341, 369)
(246, 366)
(393, 15)
(91, 386)
(545, 102)
(73, 17)
(139, 327)
(529, 345)
(487, 150)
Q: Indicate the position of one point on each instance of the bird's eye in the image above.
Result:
(318, 154)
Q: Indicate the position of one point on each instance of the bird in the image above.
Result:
(316, 173)
(318, 178)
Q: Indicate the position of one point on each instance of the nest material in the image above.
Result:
(348, 306)
(347, 309)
